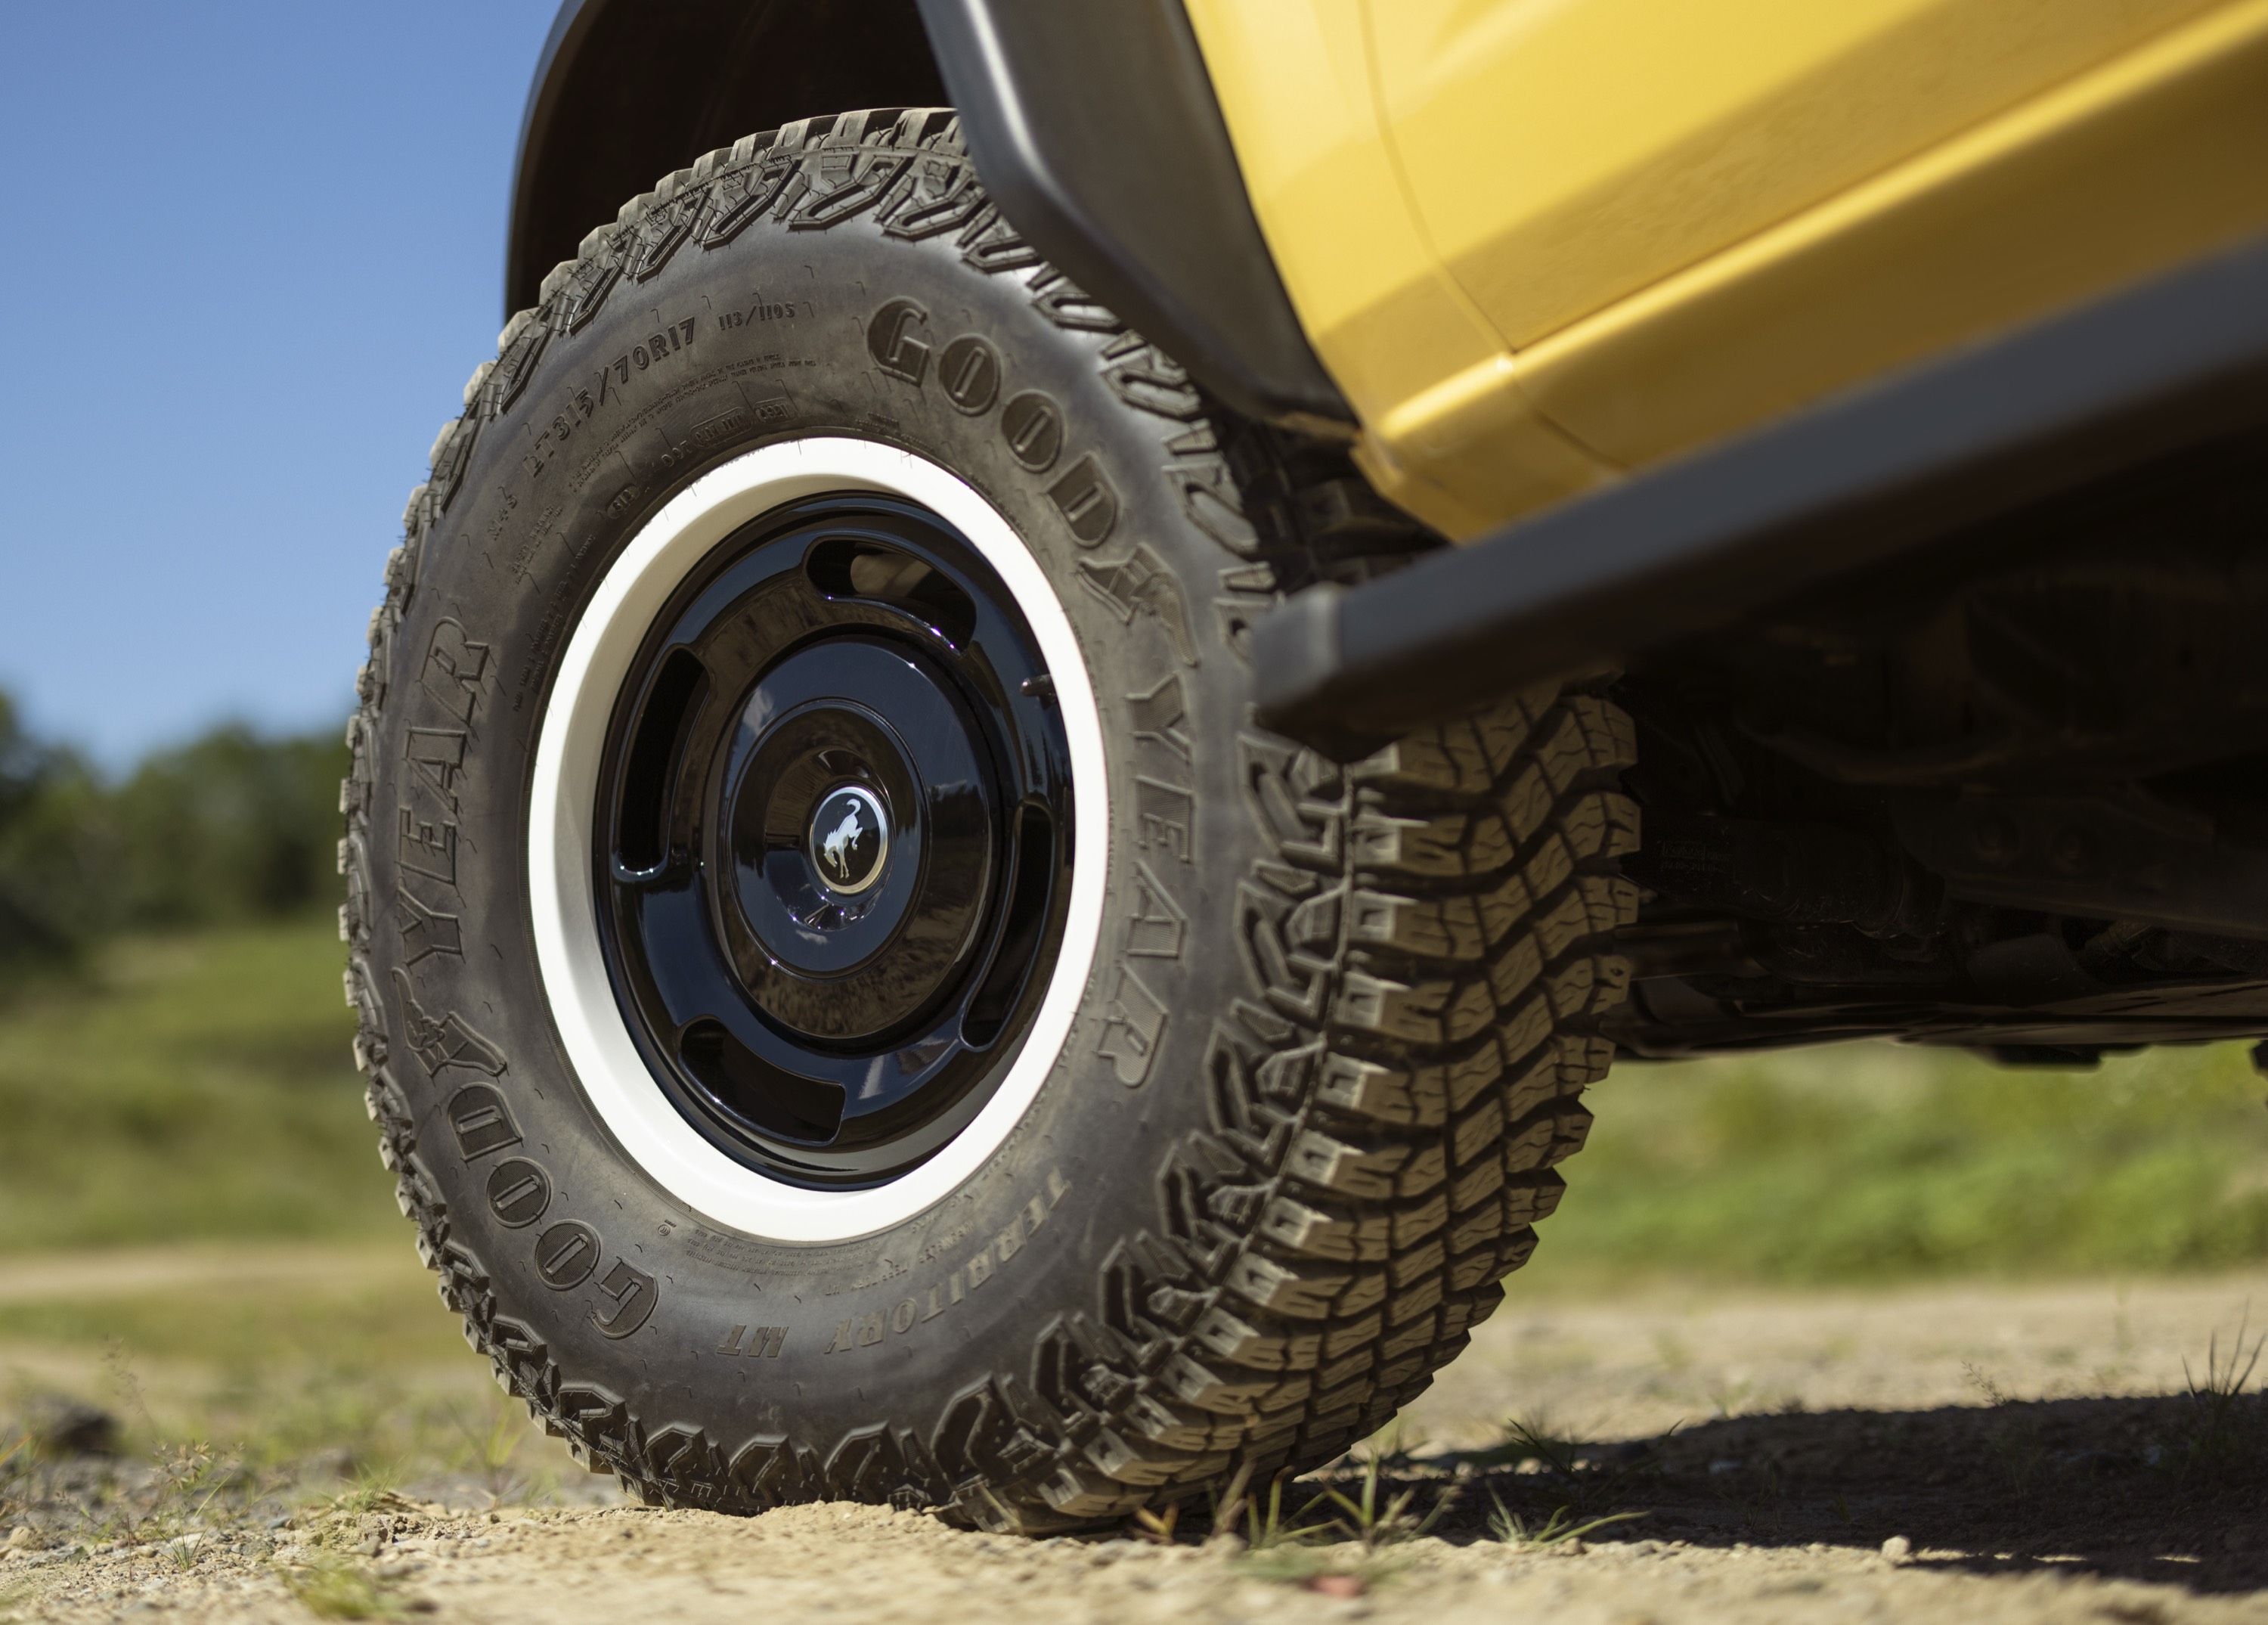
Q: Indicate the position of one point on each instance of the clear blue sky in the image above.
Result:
(253, 249)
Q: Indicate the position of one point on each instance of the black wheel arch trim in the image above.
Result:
(1094, 126)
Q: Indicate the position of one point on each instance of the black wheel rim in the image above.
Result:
(834, 852)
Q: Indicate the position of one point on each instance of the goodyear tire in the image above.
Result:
(855, 1008)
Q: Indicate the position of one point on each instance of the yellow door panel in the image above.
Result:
(1565, 153)
(1387, 319)
(2157, 158)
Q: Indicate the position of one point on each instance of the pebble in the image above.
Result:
(1897, 1549)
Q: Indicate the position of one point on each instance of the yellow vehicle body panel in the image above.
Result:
(1388, 322)
(1562, 154)
(1540, 242)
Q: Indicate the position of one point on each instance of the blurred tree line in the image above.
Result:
(231, 826)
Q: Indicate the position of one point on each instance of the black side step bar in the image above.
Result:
(1699, 544)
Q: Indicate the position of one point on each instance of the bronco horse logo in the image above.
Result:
(836, 850)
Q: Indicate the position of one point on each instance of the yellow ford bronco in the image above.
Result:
(1028, 745)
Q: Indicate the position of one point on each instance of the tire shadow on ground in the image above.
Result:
(2163, 1489)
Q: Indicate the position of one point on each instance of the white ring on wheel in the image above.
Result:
(563, 805)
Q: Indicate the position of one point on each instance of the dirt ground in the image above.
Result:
(1988, 1453)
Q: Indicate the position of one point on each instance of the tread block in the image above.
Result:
(1351, 1395)
(1563, 922)
(1362, 1173)
(1477, 1132)
(1414, 1222)
(1503, 728)
(1422, 1012)
(1526, 1029)
(1417, 1298)
(1425, 1169)
(1463, 1311)
(1171, 1428)
(1438, 928)
(1444, 846)
(1200, 1385)
(1292, 1390)
(1296, 1227)
(1447, 760)
(1416, 1332)
(1083, 1494)
(1601, 823)
(1540, 1080)
(1464, 1079)
(1367, 1088)
(1420, 1263)
(1299, 1293)
(1476, 1184)
(1527, 803)
(1479, 1226)
(1237, 1340)
(1356, 1335)
(1532, 1197)
(1363, 1293)
(1548, 1136)
(1517, 968)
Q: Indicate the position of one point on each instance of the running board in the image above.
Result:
(1697, 545)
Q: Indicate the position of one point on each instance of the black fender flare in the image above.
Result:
(1093, 123)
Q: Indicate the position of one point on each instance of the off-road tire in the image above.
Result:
(1338, 1021)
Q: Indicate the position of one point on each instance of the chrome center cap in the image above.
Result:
(849, 840)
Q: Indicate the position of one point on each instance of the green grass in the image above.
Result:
(372, 1312)
(188, 1088)
(200, 1088)
(1876, 1162)
(290, 1389)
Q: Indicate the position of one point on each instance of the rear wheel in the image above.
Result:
(856, 1009)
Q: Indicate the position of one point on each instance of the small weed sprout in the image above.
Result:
(1278, 1548)
(2015, 1442)
(189, 1478)
(1982, 1380)
(333, 1589)
(1532, 1439)
(1726, 1397)
(1272, 1531)
(2017, 1446)
(493, 1445)
(1228, 1504)
(1399, 1441)
(2221, 1433)
(1157, 1527)
(11, 1469)
(1365, 1518)
(1554, 1531)
(1587, 1483)
(375, 1488)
